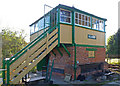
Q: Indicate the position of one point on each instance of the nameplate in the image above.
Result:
(91, 36)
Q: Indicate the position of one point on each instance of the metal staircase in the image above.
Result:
(21, 63)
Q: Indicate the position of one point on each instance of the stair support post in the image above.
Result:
(3, 72)
(75, 65)
(54, 53)
(59, 51)
(58, 23)
(8, 71)
(66, 50)
(51, 69)
(47, 70)
(47, 43)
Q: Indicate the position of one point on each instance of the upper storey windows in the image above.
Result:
(40, 24)
(81, 19)
(65, 16)
(97, 24)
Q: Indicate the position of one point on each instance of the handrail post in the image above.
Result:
(47, 70)
(51, 69)
(3, 72)
(8, 71)
(58, 23)
(47, 42)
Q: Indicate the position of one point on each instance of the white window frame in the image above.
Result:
(81, 20)
(97, 25)
(66, 16)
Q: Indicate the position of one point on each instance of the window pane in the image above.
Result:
(94, 25)
(76, 21)
(76, 15)
(79, 16)
(82, 17)
(65, 16)
(65, 13)
(82, 22)
(97, 24)
(47, 20)
(85, 23)
(36, 28)
(62, 19)
(31, 29)
(101, 25)
(79, 22)
(85, 18)
(89, 19)
(89, 24)
(68, 20)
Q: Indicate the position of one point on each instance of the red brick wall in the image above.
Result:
(82, 55)
(67, 63)
(63, 62)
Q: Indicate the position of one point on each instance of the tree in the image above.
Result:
(12, 42)
(113, 47)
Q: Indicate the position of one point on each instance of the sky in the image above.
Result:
(19, 14)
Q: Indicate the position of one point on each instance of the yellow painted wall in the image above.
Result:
(65, 33)
(33, 36)
(81, 37)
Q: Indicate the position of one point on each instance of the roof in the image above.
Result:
(72, 9)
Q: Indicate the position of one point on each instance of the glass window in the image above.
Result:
(36, 27)
(82, 19)
(65, 16)
(101, 25)
(97, 24)
(31, 29)
(47, 21)
(41, 24)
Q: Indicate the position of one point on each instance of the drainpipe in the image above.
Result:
(75, 65)
(73, 42)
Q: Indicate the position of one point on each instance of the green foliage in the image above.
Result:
(12, 42)
(34, 69)
(113, 41)
(0, 74)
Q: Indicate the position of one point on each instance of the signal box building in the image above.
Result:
(69, 40)
(81, 41)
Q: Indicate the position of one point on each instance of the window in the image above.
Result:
(40, 24)
(31, 29)
(91, 54)
(81, 19)
(35, 27)
(97, 24)
(47, 20)
(65, 16)
(101, 25)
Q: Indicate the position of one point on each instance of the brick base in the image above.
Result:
(67, 63)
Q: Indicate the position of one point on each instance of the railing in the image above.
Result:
(22, 51)
(22, 62)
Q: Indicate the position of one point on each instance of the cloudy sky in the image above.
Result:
(19, 14)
